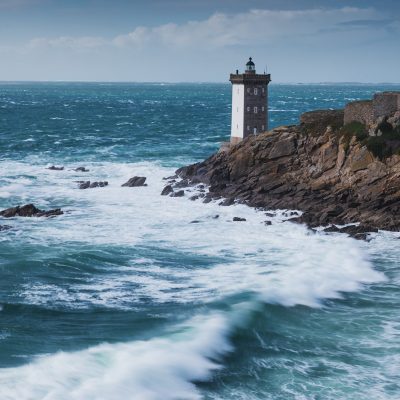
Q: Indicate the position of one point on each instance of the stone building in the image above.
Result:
(249, 103)
(367, 112)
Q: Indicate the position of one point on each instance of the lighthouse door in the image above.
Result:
(255, 131)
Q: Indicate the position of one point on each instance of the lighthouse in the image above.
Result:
(249, 103)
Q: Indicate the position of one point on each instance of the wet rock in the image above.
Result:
(267, 223)
(167, 190)
(91, 185)
(179, 193)
(135, 182)
(182, 184)
(238, 219)
(194, 197)
(81, 169)
(227, 202)
(29, 210)
(195, 221)
(54, 168)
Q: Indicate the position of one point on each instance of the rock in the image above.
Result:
(84, 185)
(182, 184)
(179, 193)
(81, 169)
(215, 216)
(91, 185)
(167, 190)
(227, 202)
(29, 210)
(283, 148)
(313, 168)
(267, 223)
(238, 219)
(194, 197)
(135, 181)
(195, 221)
(54, 168)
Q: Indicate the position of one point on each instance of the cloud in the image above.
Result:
(254, 27)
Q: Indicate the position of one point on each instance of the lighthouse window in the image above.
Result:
(263, 90)
(248, 109)
(248, 90)
(262, 127)
(255, 91)
(248, 127)
(262, 109)
(255, 110)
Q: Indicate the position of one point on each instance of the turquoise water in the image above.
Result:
(123, 297)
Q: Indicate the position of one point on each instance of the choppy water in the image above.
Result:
(123, 297)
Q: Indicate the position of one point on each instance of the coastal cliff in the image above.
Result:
(333, 173)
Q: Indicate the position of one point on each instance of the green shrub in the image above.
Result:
(354, 128)
(377, 146)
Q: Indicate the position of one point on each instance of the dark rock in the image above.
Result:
(135, 182)
(215, 216)
(182, 184)
(81, 169)
(54, 168)
(195, 221)
(268, 214)
(91, 185)
(267, 222)
(194, 197)
(84, 185)
(167, 190)
(29, 210)
(179, 193)
(238, 219)
(228, 202)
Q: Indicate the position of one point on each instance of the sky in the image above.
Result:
(199, 40)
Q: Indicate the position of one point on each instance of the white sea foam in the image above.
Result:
(282, 263)
(158, 369)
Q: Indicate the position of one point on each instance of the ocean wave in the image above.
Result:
(158, 369)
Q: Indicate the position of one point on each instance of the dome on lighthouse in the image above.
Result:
(250, 66)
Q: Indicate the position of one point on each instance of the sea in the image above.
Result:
(130, 295)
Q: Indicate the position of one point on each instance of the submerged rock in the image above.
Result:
(81, 169)
(135, 182)
(356, 231)
(91, 185)
(54, 168)
(29, 210)
(238, 219)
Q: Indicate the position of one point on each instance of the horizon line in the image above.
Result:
(197, 82)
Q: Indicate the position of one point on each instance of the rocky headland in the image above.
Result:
(334, 172)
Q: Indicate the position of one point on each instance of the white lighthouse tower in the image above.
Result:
(249, 103)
